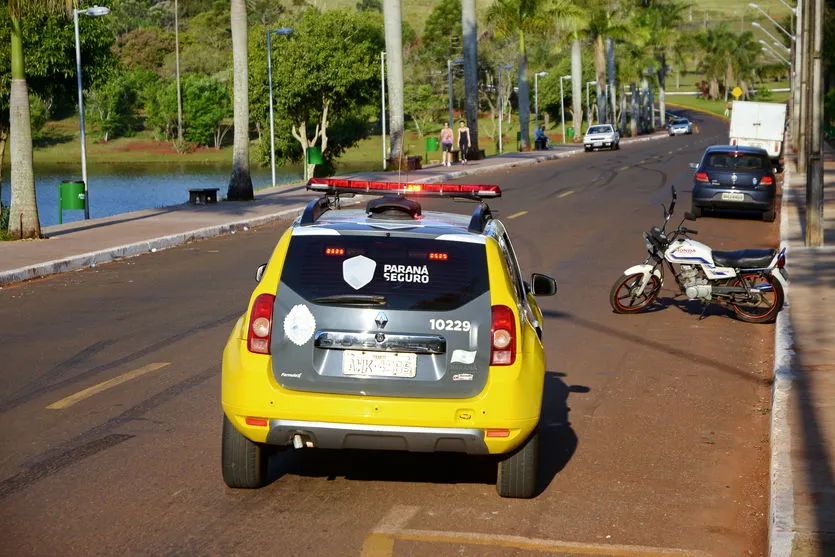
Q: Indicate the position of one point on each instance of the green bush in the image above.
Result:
(4, 222)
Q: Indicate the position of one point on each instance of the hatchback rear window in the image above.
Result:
(408, 273)
(599, 129)
(736, 161)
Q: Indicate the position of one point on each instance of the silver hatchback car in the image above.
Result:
(681, 126)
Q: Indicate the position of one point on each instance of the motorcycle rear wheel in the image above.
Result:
(764, 310)
(623, 299)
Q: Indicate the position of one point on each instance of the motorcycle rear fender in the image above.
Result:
(645, 270)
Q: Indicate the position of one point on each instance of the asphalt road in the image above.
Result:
(655, 425)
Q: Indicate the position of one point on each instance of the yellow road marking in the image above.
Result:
(380, 541)
(519, 214)
(565, 193)
(104, 385)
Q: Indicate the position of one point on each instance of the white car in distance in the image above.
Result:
(600, 136)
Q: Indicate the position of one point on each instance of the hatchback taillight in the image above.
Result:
(502, 337)
(767, 181)
(260, 328)
(702, 177)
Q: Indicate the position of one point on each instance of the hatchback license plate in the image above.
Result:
(733, 196)
(378, 364)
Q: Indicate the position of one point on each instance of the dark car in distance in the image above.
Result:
(735, 178)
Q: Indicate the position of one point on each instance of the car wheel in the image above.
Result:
(695, 211)
(617, 146)
(587, 149)
(518, 475)
(768, 216)
(244, 463)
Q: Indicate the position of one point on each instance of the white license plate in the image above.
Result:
(598, 143)
(733, 196)
(378, 364)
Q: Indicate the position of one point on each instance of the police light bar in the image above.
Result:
(335, 186)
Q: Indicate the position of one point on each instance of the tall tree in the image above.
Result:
(468, 26)
(240, 183)
(520, 19)
(394, 67)
(604, 22)
(23, 216)
(571, 15)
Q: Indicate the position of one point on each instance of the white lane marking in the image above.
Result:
(104, 385)
(565, 193)
(519, 214)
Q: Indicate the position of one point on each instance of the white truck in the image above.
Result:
(759, 124)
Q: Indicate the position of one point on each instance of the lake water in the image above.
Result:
(122, 188)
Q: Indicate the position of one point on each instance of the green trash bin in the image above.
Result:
(71, 197)
(432, 146)
(569, 132)
(314, 155)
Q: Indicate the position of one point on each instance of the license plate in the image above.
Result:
(733, 196)
(378, 364)
(598, 143)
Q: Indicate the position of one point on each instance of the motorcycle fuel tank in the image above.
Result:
(685, 250)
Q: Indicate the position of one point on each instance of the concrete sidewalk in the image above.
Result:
(803, 407)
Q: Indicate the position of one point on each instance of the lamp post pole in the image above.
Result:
(768, 48)
(92, 12)
(279, 31)
(777, 25)
(562, 106)
(383, 107)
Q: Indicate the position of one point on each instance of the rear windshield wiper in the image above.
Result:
(352, 299)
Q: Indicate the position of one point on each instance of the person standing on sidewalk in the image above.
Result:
(463, 141)
(446, 145)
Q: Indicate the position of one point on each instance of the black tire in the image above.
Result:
(616, 146)
(769, 216)
(244, 462)
(770, 305)
(621, 293)
(518, 475)
(696, 211)
(587, 149)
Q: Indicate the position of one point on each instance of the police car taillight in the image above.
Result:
(260, 328)
(332, 186)
(502, 337)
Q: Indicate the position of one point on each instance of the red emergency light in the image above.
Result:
(335, 186)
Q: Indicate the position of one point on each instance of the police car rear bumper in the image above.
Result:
(328, 435)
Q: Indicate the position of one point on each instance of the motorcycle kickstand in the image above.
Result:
(703, 315)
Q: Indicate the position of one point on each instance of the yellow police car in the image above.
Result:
(385, 327)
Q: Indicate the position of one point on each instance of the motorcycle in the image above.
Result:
(751, 281)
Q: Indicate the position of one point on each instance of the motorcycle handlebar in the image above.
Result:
(688, 231)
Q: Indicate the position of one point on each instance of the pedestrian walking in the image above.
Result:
(463, 141)
(446, 145)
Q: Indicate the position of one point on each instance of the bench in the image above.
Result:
(202, 196)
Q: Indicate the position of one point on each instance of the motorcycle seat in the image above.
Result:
(744, 258)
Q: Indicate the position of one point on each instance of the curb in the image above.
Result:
(781, 527)
(92, 259)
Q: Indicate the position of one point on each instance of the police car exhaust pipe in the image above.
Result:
(300, 442)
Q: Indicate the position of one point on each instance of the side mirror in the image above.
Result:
(543, 285)
(694, 165)
(259, 272)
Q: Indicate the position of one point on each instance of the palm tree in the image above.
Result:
(520, 18)
(663, 20)
(604, 22)
(240, 183)
(468, 27)
(571, 15)
(23, 220)
(394, 57)
(726, 58)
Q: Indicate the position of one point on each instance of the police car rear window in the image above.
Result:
(409, 273)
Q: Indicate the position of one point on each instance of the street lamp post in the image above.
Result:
(536, 77)
(774, 53)
(95, 11)
(562, 106)
(279, 31)
(449, 63)
(588, 103)
(501, 103)
(383, 108)
(768, 47)
(772, 20)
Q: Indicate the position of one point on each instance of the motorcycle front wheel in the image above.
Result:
(766, 305)
(625, 297)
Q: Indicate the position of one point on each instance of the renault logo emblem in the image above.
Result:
(381, 320)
